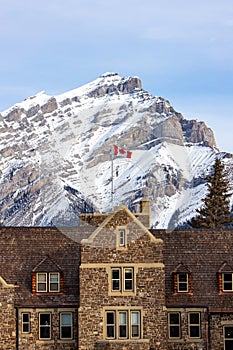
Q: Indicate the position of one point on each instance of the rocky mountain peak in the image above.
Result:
(55, 155)
(112, 83)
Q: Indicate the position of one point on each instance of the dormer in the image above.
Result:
(225, 278)
(47, 277)
(182, 279)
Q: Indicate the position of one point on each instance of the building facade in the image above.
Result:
(199, 288)
(122, 291)
(113, 283)
(39, 289)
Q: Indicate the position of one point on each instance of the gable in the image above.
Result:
(47, 265)
(122, 217)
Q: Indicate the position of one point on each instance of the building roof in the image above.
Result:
(24, 250)
(204, 253)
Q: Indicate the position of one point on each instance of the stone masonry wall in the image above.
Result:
(31, 341)
(94, 298)
(144, 253)
(216, 326)
(7, 318)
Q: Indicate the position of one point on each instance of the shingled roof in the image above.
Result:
(206, 253)
(24, 249)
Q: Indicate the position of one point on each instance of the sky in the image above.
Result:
(181, 50)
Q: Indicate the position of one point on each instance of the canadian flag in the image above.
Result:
(121, 152)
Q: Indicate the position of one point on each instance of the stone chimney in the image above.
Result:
(144, 214)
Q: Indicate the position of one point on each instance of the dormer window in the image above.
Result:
(47, 277)
(227, 285)
(182, 282)
(225, 278)
(47, 282)
(181, 279)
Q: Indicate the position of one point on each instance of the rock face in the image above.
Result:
(56, 162)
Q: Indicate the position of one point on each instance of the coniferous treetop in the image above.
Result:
(215, 212)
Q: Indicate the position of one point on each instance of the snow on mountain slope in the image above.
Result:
(56, 155)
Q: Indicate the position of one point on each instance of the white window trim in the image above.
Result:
(182, 282)
(47, 282)
(227, 290)
(122, 279)
(38, 283)
(58, 282)
(50, 325)
(116, 279)
(71, 325)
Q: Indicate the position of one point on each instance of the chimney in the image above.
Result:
(144, 214)
(145, 206)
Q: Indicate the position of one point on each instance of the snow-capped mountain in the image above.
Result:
(56, 155)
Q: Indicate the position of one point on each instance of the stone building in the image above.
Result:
(122, 295)
(199, 288)
(113, 283)
(39, 289)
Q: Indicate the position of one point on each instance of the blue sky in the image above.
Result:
(181, 50)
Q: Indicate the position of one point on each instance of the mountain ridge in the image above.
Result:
(55, 155)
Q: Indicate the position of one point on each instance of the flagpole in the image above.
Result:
(112, 184)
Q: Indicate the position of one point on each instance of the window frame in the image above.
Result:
(122, 237)
(182, 283)
(230, 339)
(196, 325)
(228, 282)
(42, 326)
(113, 279)
(62, 326)
(177, 325)
(123, 279)
(138, 324)
(38, 283)
(47, 282)
(27, 323)
(57, 283)
(112, 325)
(128, 324)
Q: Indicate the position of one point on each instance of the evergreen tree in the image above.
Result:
(215, 212)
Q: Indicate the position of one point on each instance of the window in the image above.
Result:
(116, 279)
(135, 324)
(110, 324)
(122, 238)
(182, 280)
(228, 337)
(174, 324)
(41, 282)
(45, 326)
(194, 325)
(122, 279)
(66, 325)
(227, 284)
(123, 324)
(47, 282)
(54, 282)
(26, 322)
